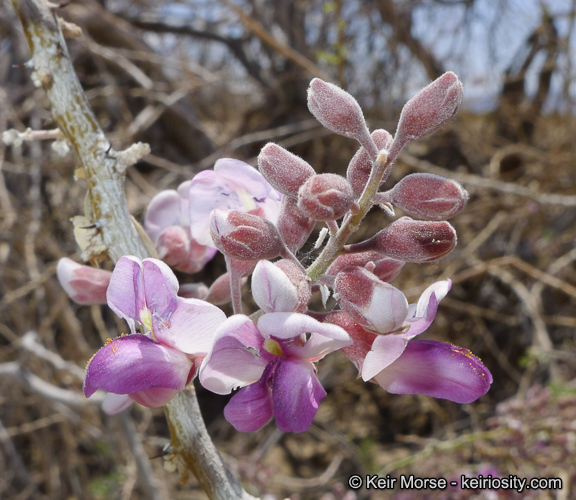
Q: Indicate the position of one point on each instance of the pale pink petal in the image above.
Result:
(115, 403)
(160, 290)
(233, 361)
(385, 350)
(272, 289)
(296, 393)
(440, 289)
(85, 285)
(125, 293)
(250, 408)
(289, 325)
(192, 327)
(154, 397)
(439, 370)
(163, 211)
(134, 363)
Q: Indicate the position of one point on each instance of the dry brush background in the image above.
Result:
(223, 83)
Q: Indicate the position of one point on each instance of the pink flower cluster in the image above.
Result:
(255, 217)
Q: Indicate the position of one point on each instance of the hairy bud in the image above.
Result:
(428, 196)
(411, 241)
(325, 197)
(429, 110)
(360, 166)
(285, 171)
(337, 110)
(385, 268)
(244, 236)
(85, 285)
(375, 305)
(294, 227)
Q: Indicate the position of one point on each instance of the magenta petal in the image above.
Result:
(250, 408)
(125, 293)
(297, 393)
(163, 211)
(439, 370)
(233, 361)
(134, 363)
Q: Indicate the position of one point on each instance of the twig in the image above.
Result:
(104, 170)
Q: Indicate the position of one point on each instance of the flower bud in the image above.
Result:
(385, 268)
(325, 197)
(411, 241)
(300, 281)
(428, 196)
(360, 166)
(193, 291)
(371, 303)
(85, 285)
(285, 171)
(429, 110)
(294, 227)
(337, 110)
(244, 236)
(219, 293)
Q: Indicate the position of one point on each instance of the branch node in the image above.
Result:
(130, 156)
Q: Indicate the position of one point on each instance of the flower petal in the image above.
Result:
(440, 289)
(250, 408)
(163, 211)
(160, 290)
(233, 362)
(134, 363)
(296, 393)
(192, 327)
(439, 370)
(154, 397)
(385, 350)
(115, 403)
(272, 289)
(289, 325)
(125, 294)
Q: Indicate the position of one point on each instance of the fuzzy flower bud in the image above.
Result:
(375, 305)
(360, 166)
(244, 236)
(411, 241)
(85, 285)
(294, 227)
(429, 110)
(385, 268)
(337, 110)
(285, 171)
(325, 197)
(428, 196)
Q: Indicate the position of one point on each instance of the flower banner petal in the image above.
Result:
(289, 325)
(125, 294)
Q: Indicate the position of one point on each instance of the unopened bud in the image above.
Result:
(360, 166)
(193, 291)
(325, 197)
(84, 284)
(294, 227)
(385, 268)
(428, 196)
(429, 110)
(337, 110)
(219, 293)
(244, 236)
(411, 241)
(283, 170)
(275, 290)
(371, 303)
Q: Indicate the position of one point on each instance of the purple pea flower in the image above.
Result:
(232, 185)
(273, 361)
(168, 225)
(402, 365)
(151, 367)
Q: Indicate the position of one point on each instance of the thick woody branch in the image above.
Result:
(113, 231)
